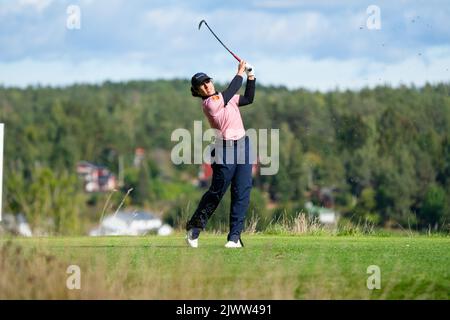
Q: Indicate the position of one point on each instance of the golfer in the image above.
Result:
(231, 163)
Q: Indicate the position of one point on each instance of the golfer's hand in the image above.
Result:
(241, 68)
(250, 71)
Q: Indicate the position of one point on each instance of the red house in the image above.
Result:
(96, 178)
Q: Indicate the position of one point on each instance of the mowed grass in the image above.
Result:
(269, 267)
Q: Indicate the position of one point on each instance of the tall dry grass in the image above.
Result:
(35, 274)
(300, 224)
(28, 273)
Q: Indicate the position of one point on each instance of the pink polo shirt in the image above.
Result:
(226, 119)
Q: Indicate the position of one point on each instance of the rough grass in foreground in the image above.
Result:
(269, 267)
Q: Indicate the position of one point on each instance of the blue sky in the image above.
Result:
(318, 45)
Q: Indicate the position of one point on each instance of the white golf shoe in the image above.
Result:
(193, 243)
(232, 244)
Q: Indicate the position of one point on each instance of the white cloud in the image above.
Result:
(323, 75)
(273, 4)
(18, 7)
(327, 74)
(295, 43)
(39, 5)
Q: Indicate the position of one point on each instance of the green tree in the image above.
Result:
(51, 201)
(435, 208)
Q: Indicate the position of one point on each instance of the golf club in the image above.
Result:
(234, 55)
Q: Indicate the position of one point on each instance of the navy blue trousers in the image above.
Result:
(232, 164)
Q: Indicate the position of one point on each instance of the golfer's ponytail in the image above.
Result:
(194, 92)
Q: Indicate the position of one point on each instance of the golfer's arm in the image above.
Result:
(232, 89)
(249, 94)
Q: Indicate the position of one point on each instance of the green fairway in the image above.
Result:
(269, 267)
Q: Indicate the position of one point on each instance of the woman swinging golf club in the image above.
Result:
(231, 161)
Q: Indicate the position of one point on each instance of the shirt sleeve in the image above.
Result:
(232, 89)
(249, 94)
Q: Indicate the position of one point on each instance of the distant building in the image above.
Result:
(324, 208)
(204, 175)
(96, 178)
(255, 168)
(128, 223)
(139, 154)
(325, 215)
(16, 225)
(323, 196)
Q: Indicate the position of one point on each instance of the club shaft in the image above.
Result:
(235, 56)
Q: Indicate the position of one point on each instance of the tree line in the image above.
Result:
(384, 152)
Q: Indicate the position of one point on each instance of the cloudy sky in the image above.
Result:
(313, 44)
